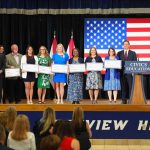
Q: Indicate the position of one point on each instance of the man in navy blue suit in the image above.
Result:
(126, 79)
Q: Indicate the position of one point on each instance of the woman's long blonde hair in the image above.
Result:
(48, 119)
(11, 114)
(78, 117)
(63, 49)
(21, 127)
(46, 51)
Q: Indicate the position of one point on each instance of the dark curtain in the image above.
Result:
(38, 30)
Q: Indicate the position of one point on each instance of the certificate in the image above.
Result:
(76, 68)
(94, 66)
(12, 72)
(45, 69)
(29, 68)
(59, 68)
(115, 64)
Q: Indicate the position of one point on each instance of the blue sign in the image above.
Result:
(141, 67)
(109, 125)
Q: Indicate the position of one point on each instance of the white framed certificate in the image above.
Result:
(115, 64)
(45, 69)
(57, 68)
(12, 72)
(94, 66)
(76, 68)
(30, 67)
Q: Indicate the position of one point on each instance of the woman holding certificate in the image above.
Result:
(29, 77)
(112, 77)
(75, 86)
(60, 57)
(43, 79)
(94, 79)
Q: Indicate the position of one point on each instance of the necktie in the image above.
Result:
(126, 55)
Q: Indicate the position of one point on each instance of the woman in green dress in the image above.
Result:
(43, 79)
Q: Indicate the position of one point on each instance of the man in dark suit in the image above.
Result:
(126, 79)
(2, 69)
(3, 139)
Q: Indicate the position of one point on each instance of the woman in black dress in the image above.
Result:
(29, 77)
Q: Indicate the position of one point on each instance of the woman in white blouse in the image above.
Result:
(29, 77)
(20, 138)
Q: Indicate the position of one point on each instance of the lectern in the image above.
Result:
(137, 69)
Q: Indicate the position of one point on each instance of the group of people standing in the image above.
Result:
(114, 79)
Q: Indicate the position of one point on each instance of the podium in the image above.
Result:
(137, 68)
(137, 93)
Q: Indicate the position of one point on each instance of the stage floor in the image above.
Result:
(102, 105)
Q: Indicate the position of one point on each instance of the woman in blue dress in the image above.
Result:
(75, 85)
(60, 57)
(112, 77)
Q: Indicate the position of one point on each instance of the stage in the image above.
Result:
(103, 105)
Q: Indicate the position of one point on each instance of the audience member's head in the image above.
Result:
(11, 113)
(65, 129)
(56, 126)
(51, 142)
(48, 119)
(2, 135)
(3, 119)
(1, 49)
(77, 117)
(21, 127)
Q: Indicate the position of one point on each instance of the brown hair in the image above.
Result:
(2, 134)
(11, 113)
(91, 50)
(3, 119)
(27, 52)
(77, 117)
(113, 51)
(51, 142)
(65, 129)
(21, 127)
(126, 41)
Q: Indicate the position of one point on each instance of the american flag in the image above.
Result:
(104, 33)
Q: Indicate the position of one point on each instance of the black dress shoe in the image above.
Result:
(77, 102)
(73, 102)
(124, 101)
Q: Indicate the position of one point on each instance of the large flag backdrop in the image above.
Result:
(104, 33)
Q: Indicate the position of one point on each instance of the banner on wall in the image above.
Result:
(109, 125)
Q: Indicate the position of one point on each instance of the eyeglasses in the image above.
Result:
(42, 49)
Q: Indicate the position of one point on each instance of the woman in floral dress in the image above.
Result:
(43, 79)
(75, 85)
(94, 79)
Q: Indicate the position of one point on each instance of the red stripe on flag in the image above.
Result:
(138, 38)
(143, 55)
(138, 20)
(70, 47)
(138, 29)
(140, 46)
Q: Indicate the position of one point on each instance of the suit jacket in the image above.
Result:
(2, 64)
(10, 61)
(131, 57)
